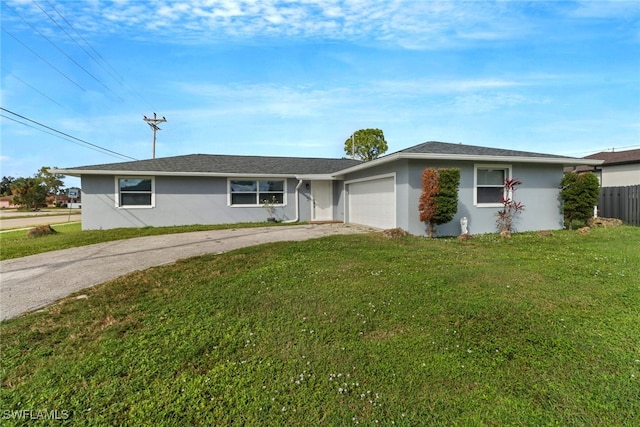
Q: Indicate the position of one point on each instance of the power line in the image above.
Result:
(604, 150)
(66, 134)
(63, 52)
(117, 77)
(86, 42)
(51, 133)
(119, 81)
(58, 48)
(44, 60)
(34, 88)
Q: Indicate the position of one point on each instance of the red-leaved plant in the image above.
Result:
(427, 205)
(506, 216)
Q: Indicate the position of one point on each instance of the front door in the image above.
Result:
(321, 201)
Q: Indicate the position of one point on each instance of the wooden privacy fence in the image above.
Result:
(620, 202)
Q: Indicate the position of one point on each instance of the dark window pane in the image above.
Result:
(243, 198)
(271, 186)
(133, 184)
(243, 186)
(256, 192)
(491, 176)
(489, 194)
(135, 199)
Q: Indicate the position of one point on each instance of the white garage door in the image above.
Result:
(373, 203)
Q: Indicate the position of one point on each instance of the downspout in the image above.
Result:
(297, 218)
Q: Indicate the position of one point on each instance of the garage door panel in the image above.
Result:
(373, 203)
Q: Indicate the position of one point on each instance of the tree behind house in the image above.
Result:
(366, 144)
(52, 181)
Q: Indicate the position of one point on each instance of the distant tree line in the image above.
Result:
(31, 193)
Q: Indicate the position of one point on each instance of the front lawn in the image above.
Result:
(346, 330)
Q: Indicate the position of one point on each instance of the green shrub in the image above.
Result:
(579, 194)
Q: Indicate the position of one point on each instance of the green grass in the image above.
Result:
(344, 330)
(16, 244)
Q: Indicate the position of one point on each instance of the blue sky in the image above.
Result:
(296, 78)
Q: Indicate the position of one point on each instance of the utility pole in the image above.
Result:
(353, 146)
(153, 123)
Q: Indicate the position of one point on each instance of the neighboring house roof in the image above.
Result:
(617, 157)
(610, 158)
(220, 165)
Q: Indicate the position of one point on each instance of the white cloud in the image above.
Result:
(440, 86)
(264, 99)
(370, 100)
(482, 103)
(606, 9)
(409, 23)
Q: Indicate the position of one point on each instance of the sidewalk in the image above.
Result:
(36, 281)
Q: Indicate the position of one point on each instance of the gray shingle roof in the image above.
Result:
(611, 158)
(617, 157)
(294, 166)
(222, 164)
(434, 147)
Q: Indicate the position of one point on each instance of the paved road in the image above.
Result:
(39, 280)
(11, 224)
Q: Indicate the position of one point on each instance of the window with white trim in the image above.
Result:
(254, 192)
(135, 192)
(489, 184)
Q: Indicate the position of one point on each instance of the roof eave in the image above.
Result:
(317, 177)
(567, 161)
(80, 172)
(622, 162)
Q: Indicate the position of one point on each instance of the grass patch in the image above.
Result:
(16, 244)
(348, 329)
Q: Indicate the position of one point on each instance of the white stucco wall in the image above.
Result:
(620, 175)
(539, 193)
(178, 201)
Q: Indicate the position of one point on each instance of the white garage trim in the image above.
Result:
(372, 201)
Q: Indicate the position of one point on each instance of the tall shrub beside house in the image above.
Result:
(439, 199)
(579, 194)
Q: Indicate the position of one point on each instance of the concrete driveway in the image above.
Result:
(36, 281)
